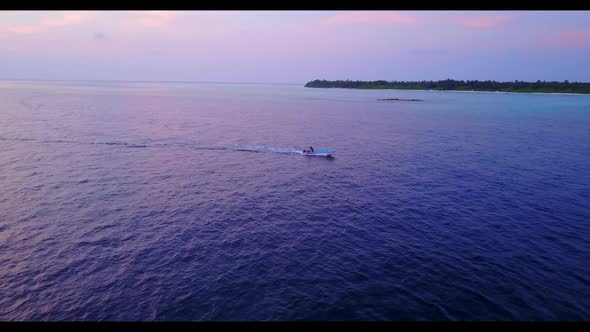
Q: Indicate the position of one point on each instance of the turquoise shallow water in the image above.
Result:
(177, 201)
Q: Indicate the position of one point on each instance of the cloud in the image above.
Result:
(485, 21)
(404, 18)
(387, 18)
(48, 23)
(149, 20)
(558, 39)
(571, 38)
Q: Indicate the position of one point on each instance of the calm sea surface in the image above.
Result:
(172, 201)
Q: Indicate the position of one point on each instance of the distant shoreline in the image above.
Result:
(573, 88)
(477, 91)
(512, 92)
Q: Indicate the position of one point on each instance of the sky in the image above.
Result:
(295, 46)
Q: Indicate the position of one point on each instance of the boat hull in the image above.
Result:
(320, 153)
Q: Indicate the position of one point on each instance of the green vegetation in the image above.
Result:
(516, 86)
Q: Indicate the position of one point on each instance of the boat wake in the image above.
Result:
(268, 149)
(236, 148)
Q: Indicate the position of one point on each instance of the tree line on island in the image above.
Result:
(516, 86)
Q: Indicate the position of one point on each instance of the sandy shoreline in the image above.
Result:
(519, 93)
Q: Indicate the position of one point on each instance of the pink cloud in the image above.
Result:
(397, 18)
(573, 38)
(21, 30)
(485, 21)
(149, 20)
(370, 17)
(567, 38)
(46, 23)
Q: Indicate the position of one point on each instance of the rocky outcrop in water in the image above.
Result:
(399, 99)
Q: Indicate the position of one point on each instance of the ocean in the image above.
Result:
(136, 201)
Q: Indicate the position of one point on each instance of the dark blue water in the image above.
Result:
(146, 201)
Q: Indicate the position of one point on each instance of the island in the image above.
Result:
(454, 85)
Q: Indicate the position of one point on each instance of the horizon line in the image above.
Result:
(142, 81)
(257, 83)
